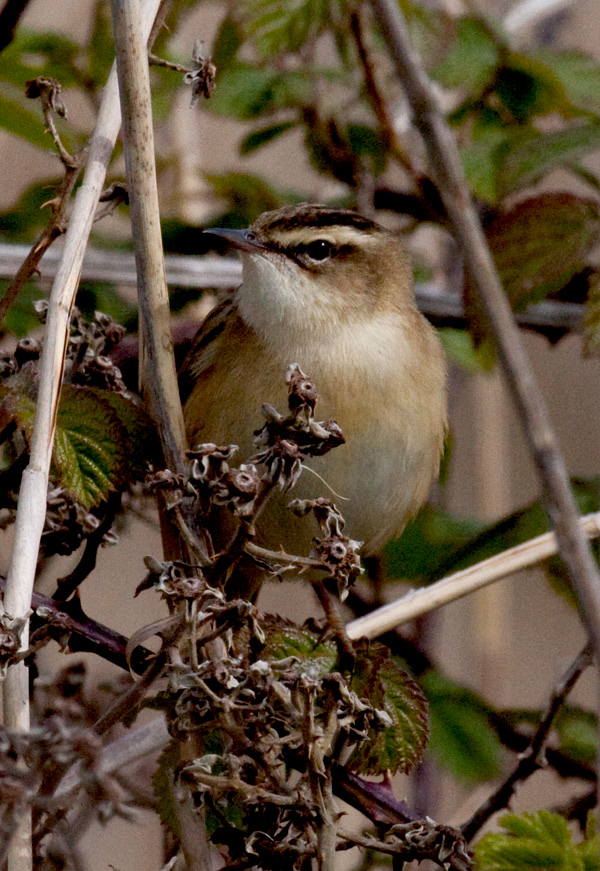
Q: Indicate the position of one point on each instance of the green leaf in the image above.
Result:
(461, 349)
(162, 779)
(369, 143)
(21, 317)
(578, 734)
(261, 137)
(284, 27)
(527, 87)
(579, 74)
(33, 54)
(140, 443)
(526, 240)
(19, 121)
(20, 222)
(426, 543)
(462, 739)
(482, 156)
(88, 455)
(17, 401)
(244, 92)
(227, 43)
(286, 639)
(386, 686)
(480, 161)
(102, 443)
(527, 162)
(471, 60)
(100, 46)
(536, 842)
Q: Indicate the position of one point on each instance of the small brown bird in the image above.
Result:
(332, 291)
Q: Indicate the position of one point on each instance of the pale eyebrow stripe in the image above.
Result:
(337, 235)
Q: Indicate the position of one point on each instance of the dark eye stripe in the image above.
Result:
(304, 254)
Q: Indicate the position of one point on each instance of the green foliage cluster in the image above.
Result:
(537, 841)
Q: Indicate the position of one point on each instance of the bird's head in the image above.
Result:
(310, 266)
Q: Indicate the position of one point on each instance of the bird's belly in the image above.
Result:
(378, 479)
(376, 486)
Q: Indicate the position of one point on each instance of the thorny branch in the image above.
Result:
(49, 92)
(67, 623)
(534, 757)
(55, 227)
(416, 841)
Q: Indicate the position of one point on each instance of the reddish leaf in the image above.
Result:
(541, 244)
(385, 686)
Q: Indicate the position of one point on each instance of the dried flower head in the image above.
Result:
(202, 75)
(337, 552)
(238, 489)
(48, 90)
(288, 441)
(209, 464)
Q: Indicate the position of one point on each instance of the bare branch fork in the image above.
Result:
(533, 758)
(449, 177)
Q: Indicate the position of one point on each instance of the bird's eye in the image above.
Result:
(319, 250)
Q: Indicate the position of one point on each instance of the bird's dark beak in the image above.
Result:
(243, 240)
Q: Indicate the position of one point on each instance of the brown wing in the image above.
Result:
(205, 347)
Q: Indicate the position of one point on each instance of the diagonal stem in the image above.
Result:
(533, 758)
(450, 180)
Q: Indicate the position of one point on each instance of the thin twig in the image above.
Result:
(533, 759)
(53, 229)
(195, 547)
(458, 859)
(130, 699)
(459, 584)
(336, 623)
(226, 562)
(86, 635)
(443, 307)
(87, 563)
(156, 61)
(131, 747)
(281, 558)
(68, 161)
(449, 176)
(377, 102)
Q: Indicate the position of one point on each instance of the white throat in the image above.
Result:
(285, 307)
(279, 299)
